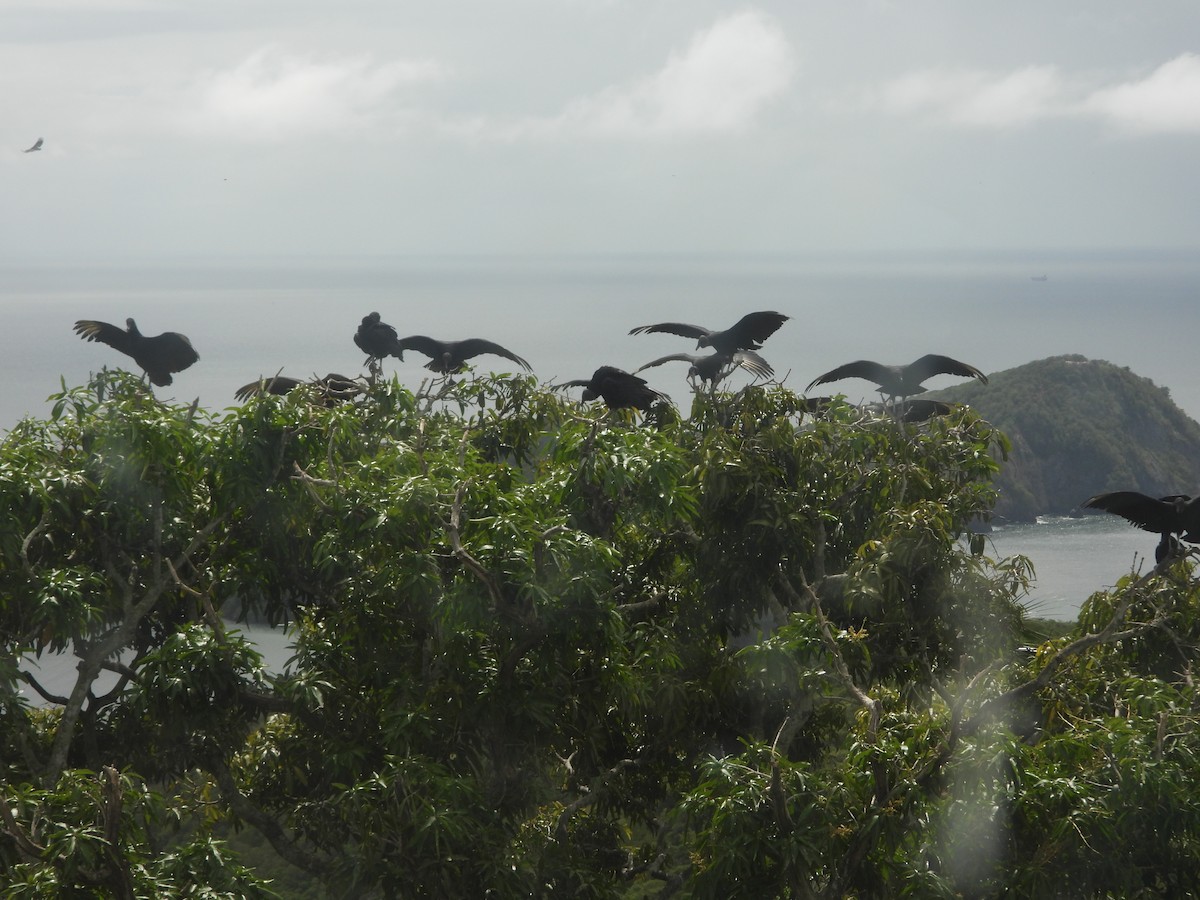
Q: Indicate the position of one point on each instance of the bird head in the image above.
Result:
(131, 326)
(371, 318)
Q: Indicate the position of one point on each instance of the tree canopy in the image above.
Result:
(544, 649)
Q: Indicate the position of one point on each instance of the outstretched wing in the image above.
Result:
(280, 385)
(860, 368)
(671, 357)
(37, 145)
(680, 328)
(754, 364)
(105, 333)
(477, 346)
(1143, 511)
(754, 328)
(933, 364)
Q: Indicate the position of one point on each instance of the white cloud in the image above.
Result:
(979, 99)
(1167, 100)
(272, 95)
(721, 82)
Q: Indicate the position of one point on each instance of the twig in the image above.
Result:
(463, 554)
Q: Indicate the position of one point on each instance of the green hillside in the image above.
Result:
(1079, 427)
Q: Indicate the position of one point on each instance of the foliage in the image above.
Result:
(545, 650)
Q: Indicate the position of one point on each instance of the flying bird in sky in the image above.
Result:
(158, 356)
(37, 145)
(1175, 514)
(717, 366)
(448, 357)
(900, 381)
(618, 389)
(377, 339)
(330, 389)
(747, 333)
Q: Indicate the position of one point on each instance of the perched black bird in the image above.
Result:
(748, 334)
(37, 145)
(1175, 514)
(158, 356)
(448, 357)
(377, 339)
(618, 389)
(717, 366)
(900, 381)
(330, 389)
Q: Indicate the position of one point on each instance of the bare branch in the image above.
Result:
(590, 796)
(302, 858)
(42, 526)
(463, 554)
(26, 847)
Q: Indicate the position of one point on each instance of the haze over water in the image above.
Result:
(568, 315)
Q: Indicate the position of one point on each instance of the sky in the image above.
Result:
(935, 155)
(186, 129)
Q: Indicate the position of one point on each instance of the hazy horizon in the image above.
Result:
(567, 315)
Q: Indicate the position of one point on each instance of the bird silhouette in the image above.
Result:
(37, 145)
(448, 357)
(747, 334)
(330, 389)
(716, 366)
(618, 389)
(900, 381)
(1170, 516)
(377, 339)
(158, 356)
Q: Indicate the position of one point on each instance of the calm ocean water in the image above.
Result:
(1073, 558)
(568, 315)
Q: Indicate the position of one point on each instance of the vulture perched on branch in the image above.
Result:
(900, 381)
(377, 339)
(618, 389)
(159, 356)
(717, 366)
(448, 357)
(331, 388)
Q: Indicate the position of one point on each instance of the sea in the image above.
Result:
(249, 317)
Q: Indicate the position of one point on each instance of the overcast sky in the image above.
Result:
(544, 126)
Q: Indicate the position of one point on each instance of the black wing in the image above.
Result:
(754, 328)
(753, 363)
(1143, 511)
(670, 357)
(933, 364)
(860, 368)
(477, 346)
(279, 385)
(680, 328)
(117, 338)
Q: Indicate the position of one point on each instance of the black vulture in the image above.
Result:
(377, 339)
(331, 388)
(717, 366)
(900, 381)
(618, 389)
(158, 356)
(748, 334)
(1175, 514)
(448, 357)
(37, 145)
